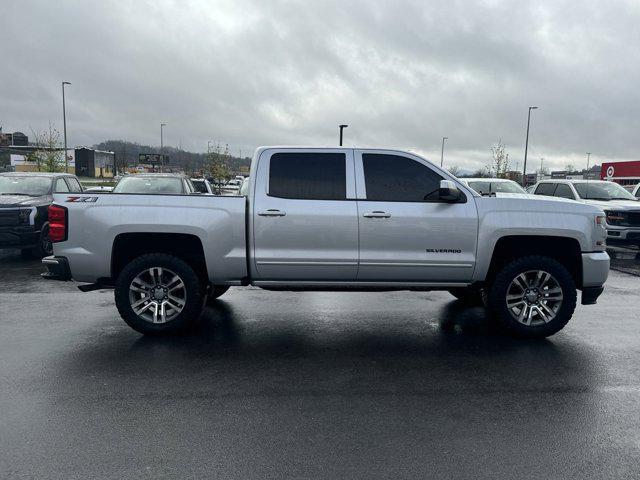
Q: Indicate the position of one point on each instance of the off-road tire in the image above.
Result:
(194, 301)
(497, 303)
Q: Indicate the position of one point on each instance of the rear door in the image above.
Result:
(406, 232)
(305, 219)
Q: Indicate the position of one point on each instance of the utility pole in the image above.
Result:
(342, 127)
(442, 151)
(162, 125)
(526, 146)
(588, 158)
(64, 126)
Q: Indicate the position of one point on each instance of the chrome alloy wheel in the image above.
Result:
(534, 297)
(157, 295)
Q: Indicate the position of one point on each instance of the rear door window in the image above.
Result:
(564, 191)
(545, 189)
(61, 186)
(308, 176)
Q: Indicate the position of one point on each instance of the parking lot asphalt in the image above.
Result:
(313, 385)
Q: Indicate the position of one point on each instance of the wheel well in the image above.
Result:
(128, 246)
(562, 249)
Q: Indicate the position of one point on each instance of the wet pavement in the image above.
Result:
(313, 385)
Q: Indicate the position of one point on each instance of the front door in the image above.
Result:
(406, 232)
(305, 218)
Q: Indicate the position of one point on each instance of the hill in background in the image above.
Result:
(126, 154)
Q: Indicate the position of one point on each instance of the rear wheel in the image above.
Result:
(159, 294)
(533, 296)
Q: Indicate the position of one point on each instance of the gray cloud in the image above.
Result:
(400, 73)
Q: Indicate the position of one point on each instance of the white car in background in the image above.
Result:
(622, 209)
(498, 187)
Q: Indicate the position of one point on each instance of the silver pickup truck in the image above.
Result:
(329, 219)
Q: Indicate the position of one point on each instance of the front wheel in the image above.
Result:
(533, 297)
(159, 294)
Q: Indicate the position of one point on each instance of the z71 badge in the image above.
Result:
(82, 199)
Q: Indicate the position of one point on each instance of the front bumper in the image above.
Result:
(19, 237)
(623, 234)
(57, 268)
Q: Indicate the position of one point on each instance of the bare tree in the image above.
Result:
(48, 155)
(500, 160)
(569, 168)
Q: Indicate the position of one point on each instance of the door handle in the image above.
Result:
(272, 212)
(377, 214)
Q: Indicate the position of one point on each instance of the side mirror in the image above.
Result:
(449, 191)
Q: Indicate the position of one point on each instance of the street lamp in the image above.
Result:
(442, 151)
(588, 158)
(342, 127)
(526, 146)
(64, 126)
(162, 125)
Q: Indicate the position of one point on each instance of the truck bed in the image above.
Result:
(219, 223)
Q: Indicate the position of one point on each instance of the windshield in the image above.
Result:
(150, 185)
(486, 187)
(602, 191)
(27, 185)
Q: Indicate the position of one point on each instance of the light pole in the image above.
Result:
(342, 127)
(162, 125)
(588, 158)
(442, 151)
(526, 146)
(64, 127)
(208, 146)
(541, 164)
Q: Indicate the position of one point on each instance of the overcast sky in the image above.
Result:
(402, 74)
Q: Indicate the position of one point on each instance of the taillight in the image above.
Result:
(57, 223)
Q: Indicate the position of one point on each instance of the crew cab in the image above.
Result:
(24, 201)
(333, 219)
(621, 208)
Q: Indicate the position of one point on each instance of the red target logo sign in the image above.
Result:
(610, 171)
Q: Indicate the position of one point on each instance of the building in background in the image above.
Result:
(93, 163)
(17, 139)
(624, 173)
(82, 161)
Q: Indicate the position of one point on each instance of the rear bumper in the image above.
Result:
(57, 268)
(19, 237)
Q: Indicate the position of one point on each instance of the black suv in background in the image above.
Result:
(24, 203)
